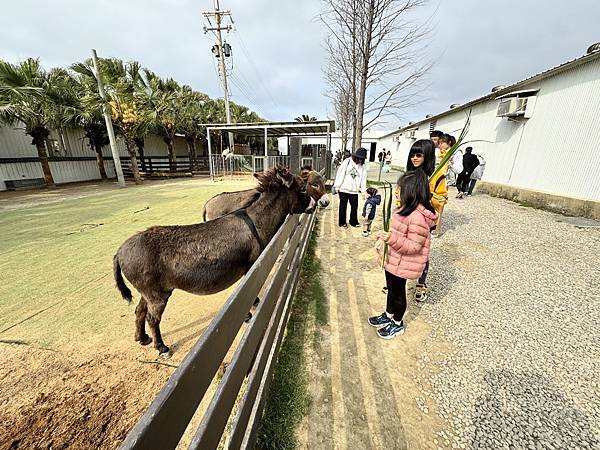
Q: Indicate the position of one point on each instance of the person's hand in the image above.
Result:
(379, 245)
(384, 236)
(364, 196)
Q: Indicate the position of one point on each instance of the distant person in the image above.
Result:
(381, 156)
(408, 243)
(476, 175)
(350, 180)
(434, 136)
(470, 162)
(454, 168)
(370, 209)
(388, 162)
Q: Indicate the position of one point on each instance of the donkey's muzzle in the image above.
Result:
(324, 201)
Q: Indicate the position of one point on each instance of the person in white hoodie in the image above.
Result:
(350, 180)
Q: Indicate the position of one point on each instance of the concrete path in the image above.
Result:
(505, 355)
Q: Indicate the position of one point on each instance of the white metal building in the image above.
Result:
(543, 131)
(71, 159)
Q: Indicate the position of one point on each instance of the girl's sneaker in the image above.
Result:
(380, 321)
(384, 289)
(421, 293)
(366, 233)
(391, 330)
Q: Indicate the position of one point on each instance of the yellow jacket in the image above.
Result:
(439, 190)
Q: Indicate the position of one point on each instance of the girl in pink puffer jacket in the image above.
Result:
(408, 249)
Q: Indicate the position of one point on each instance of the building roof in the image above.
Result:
(276, 129)
(508, 89)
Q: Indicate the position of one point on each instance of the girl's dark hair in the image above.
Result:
(426, 147)
(448, 139)
(414, 191)
(371, 191)
(357, 160)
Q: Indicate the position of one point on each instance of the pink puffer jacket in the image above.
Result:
(408, 246)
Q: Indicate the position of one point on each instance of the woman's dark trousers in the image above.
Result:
(396, 296)
(344, 199)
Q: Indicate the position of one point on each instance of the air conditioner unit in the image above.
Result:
(410, 134)
(396, 138)
(512, 107)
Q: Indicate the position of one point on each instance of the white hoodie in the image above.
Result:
(350, 177)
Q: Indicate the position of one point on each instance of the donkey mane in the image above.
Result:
(271, 179)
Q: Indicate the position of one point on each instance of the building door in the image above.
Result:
(373, 150)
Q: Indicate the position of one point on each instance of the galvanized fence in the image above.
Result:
(272, 279)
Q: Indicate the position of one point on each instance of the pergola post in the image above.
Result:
(266, 163)
(210, 163)
(327, 149)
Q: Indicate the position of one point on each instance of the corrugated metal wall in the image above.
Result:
(14, 143)
(555, 151)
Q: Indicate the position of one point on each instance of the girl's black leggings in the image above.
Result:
(396, 296)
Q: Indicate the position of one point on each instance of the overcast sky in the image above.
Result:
(277, 45)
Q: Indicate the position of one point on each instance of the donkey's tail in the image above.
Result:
(123, 289)
(204, 214)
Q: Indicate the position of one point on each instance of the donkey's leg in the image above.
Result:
(156, 306)
(140, 323)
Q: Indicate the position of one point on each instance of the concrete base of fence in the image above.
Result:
(550, 202)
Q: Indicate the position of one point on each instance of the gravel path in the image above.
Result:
(515, 291)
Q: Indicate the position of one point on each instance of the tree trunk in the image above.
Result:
(130, 143)
(40, 145)
(191, 143)
(139, 143)
(172, 161)
(366, 56)
(100, 161)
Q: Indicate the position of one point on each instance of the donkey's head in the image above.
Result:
(315, 185)
(281, 181)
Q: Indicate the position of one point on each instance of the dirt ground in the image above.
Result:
(71, 375)
(365, 391)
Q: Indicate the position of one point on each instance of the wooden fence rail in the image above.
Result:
(272, 279)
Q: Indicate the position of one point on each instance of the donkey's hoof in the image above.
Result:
(163, 351)
(248, 317)
(144, 340)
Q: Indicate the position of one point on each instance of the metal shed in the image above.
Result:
(322, 128)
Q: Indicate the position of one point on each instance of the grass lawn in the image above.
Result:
(56, 276)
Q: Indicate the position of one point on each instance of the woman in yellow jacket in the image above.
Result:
(422, 156)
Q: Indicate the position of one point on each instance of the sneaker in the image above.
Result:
(421, 293)
(380, 321)
(391, 330)
(384, 289)
(459, 195)
(345, 225)
(366, 233)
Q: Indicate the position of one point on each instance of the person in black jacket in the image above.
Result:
(470, 162)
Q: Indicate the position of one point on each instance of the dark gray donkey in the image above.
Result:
(207, 257)
(227, 202)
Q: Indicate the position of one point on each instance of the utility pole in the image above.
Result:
(107, 119)
(217, 14)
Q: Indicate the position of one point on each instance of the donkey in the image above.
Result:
(227, 202)
(203, 258)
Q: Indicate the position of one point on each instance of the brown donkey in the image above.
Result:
(203, 258)
(227, 202)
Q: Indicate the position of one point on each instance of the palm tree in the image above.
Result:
(121, 81)
(193, 112)
(35, 98)
(161, 99)
(305, 118)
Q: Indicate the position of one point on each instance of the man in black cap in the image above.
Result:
(350, 179)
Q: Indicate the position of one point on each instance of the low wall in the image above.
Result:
(551, 202)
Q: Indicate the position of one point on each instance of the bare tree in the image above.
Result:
(375, 57)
